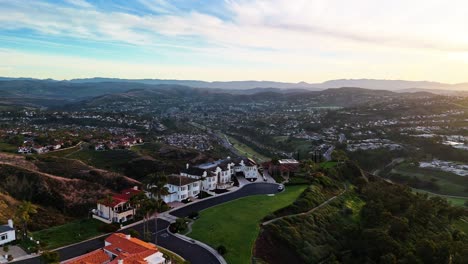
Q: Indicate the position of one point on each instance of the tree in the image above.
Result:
(136, 202)
(156, 185)
(50, 257)
(148, 207)
(23, 214)
(339, 155)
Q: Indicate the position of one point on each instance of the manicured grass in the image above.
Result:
(246, 150)
(462, 224)
(115, 160)
(450, 184)
(59, 236)
(235, 225)
(453, 200)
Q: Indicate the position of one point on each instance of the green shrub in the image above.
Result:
(134, 233)
(193, 215)
(222, 250)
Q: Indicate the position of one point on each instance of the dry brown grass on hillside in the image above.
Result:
(17, 160)
(7, 207)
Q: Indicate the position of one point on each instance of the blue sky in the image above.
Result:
(281, 40)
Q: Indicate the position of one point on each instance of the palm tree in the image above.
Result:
(156, 184)
(23, 214)
(148, 207)
(136, 202)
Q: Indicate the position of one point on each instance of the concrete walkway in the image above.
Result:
(15, 251)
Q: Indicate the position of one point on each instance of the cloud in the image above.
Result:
(80, 3)
(268, 34)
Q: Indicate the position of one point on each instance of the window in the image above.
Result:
(3, 237)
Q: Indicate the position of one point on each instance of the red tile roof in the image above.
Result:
(123, 197)
(94, 257)
(120, 244)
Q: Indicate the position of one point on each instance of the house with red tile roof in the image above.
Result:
(120, 248)
(116, 208)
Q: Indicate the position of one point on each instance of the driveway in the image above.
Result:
(191, 252)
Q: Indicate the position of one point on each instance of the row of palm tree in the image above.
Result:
(155, 184)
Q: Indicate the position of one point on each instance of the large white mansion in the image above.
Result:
(208, 176)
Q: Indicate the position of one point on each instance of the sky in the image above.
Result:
(221, 40)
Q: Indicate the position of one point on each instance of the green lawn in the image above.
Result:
(247, 151)
(454, 201)
(462, 224)
(59, 236)
(450, 184)
(235, 225)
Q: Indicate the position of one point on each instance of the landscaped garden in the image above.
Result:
(235, 225)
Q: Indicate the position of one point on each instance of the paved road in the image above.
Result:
(247, 190)
(194, 253)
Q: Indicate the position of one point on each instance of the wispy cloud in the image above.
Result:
(80, 3)
(257, 33)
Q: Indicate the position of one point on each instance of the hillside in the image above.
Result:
(62, 188)
(105, 91)
(372, 222)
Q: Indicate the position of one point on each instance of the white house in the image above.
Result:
(7, 233)
(248, 167)
(181, 187)
(116, 208)
(218, 174)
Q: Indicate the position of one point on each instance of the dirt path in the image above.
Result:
(310, 211)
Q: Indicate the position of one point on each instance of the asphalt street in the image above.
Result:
(190, 251)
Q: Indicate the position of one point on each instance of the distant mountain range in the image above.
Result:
(391, 85)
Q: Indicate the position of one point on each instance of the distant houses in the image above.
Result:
(7, 233)
(116, 208)
(120, 248)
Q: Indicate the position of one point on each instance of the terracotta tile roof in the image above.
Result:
(120, 244)
(123, 197)
(138, 258)
(94, 257)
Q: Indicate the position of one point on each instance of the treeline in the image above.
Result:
(392, 225)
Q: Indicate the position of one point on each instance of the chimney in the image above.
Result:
(187, 166)
(120, 261)
(128, 237)
(10, 223)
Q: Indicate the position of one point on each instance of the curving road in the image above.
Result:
(190, 251)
